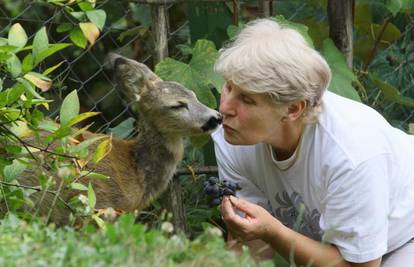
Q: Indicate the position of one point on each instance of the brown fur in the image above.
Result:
(139, 169)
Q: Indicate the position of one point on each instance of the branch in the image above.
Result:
(377, 41)
(20, 140)
(193, 171)
(27, 145)
(38, 190)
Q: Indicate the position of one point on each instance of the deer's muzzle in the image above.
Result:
(212, 123)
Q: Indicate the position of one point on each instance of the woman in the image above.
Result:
(324, 178)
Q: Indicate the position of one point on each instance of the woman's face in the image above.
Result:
(249, 118)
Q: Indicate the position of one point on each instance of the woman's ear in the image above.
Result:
(295, 110)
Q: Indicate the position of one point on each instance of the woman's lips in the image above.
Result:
(228, 128)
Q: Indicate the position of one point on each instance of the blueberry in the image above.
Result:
(215, 201)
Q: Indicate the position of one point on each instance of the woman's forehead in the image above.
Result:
(241, 88)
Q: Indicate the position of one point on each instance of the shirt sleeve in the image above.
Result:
(355, 210)
(230, 167)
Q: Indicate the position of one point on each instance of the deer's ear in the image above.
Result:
(133, 77)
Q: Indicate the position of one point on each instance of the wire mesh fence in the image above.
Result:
(127, 30)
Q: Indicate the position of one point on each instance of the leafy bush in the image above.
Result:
(121, 244)
(54, 150)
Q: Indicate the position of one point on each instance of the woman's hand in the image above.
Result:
(257, 224)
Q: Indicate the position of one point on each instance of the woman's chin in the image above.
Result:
(233, 140)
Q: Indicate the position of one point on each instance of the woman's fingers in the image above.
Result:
(228, 212)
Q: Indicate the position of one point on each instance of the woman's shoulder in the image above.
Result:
(350, 130)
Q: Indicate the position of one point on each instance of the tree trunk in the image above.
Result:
(172, 200)
(340, 14)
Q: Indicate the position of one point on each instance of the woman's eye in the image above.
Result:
(180, 106)
(247, 100)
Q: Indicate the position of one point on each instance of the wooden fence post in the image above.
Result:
(173, 200)
(159, 16)
(340, 14)
(264, 8)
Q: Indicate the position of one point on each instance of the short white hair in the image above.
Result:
(267, 57)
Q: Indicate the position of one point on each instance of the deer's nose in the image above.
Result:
(212, 123)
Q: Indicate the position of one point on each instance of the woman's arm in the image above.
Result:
(259, 224)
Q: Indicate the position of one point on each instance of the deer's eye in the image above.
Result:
(179, 105)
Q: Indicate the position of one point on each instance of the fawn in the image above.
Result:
(140, 169)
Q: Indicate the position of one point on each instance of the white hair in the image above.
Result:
(267, 57)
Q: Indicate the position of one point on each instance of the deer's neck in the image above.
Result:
(157, 155)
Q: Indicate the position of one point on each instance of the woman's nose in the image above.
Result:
(227, 105)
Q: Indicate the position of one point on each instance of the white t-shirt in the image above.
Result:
(350, 183)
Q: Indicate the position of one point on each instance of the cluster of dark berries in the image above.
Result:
(216, 189)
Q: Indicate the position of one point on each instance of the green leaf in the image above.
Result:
(53, 48)
(10, 95)
(394, 6)
(204, 56)
(48, 125)
(87, 143)
(411, 128)
(90, 31)
(81, 16)
(99, 221)
(370, 32)
(64, 27)
(17, 36)
(94, 175)
(14, 66)
(78, 38)
(12, 114)
(3, 41)
(124, 129)
(198, 75)
(51, 69)
(170, 69)
(342, 75)
(91, 196)
(29, 88)
(27, 63)
(85, 6)
(13, 149)
(390, 34)
(40, 43)
(5, 56)
(78, 186)
(81, 117)
(233, 30)
(102, 150)
(8, 48)
(39, 80)
(98, 17)
(184, 49)
(391, 93)
(407, 6)
(70, 108)
(11, 172)
(20, 128)
(59, 133)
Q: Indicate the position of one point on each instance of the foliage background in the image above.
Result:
(382, 75)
